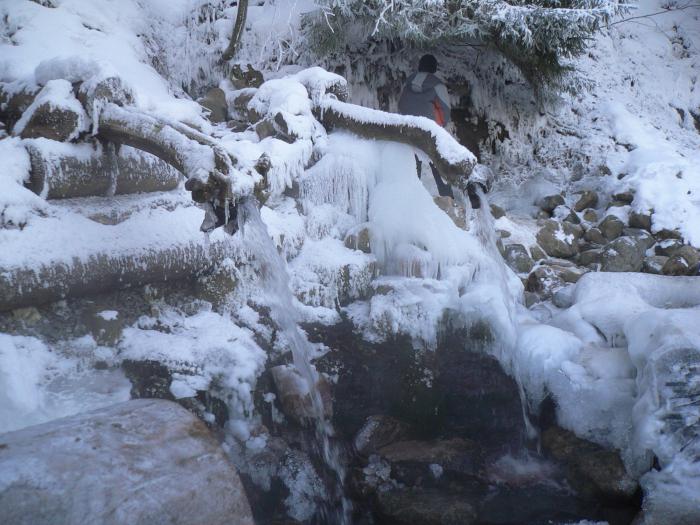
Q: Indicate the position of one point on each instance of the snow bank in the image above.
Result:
(17, 203)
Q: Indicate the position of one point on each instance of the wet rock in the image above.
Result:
(569, 274)
(413, 461)
(295, 396)
(640, 220)
(625, 197)
(497, 211)
(559, 239)
(611, 227)
(142, 461)
(432, 507)
(590, 215)
(591, 469)
(379, 431)
(517, 257)
(359, 240)
(284, 130)
(530, 298)
(550, 202)
(588, 199)
(149, 379)
(215, 101)
(624, 254)
(544, 281)
(654, 264)
(595, 236)
(453, 210)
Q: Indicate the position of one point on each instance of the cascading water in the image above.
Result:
(485, 231)
(275, 280)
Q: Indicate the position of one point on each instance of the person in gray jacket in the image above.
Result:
(425, 95)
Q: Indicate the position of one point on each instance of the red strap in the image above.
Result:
(439, 115)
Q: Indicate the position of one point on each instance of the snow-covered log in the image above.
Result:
(105, 271)
(453, 161)
(208, 168)
(60, 173)
(142, 461)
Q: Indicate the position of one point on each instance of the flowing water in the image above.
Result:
(275, 281)
(485, 231)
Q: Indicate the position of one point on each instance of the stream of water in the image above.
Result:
(275, 281)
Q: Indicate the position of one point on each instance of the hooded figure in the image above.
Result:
(424, 94)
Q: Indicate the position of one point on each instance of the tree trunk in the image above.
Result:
(238, 28)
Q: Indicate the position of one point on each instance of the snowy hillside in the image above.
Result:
(250, 239)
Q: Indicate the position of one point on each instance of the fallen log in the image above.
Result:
(57, 174)
(454, 162)
(103, 272)
(207, 166)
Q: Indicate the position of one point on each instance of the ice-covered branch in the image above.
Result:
(454, 161)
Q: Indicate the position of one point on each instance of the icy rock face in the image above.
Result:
(143, 461)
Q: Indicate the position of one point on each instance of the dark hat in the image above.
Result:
(427, 64)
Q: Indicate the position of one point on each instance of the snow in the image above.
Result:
(17, 203)
(212, 351)
(39, 383)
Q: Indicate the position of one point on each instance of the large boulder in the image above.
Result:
(215, 101)
(140, 462)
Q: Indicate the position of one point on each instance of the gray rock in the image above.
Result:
(517, 257)
(595, 236)
(640, 220)
(550, 202)
(590, 215)
(611, 227)
(379, 431)
(643, 236)
(625, 197)
(139, 462)
(590, 257)
(668, 234)
(537, 253)
(215, 101)
(265, 129)
(624, 254)
(250, 78)
(668, 247)
(530, 299)
(588, 199)
(592, 469)
(654, 264)
(456, 455)
(559, 239)
(13, 104)
(676, 265)
(564, 297)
